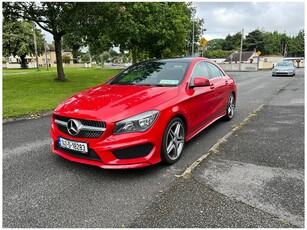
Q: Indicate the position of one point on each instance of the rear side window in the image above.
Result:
(215, 71)
(200, 70)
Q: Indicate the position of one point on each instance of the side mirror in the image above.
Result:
(200, 82)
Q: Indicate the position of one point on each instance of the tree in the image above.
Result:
(74, 42)
(86, 57)
(18, 40)
(232, 42)
(254, 40)
(97, 25)
(270, 43)
(58, 18)
(215, 44)
(169, 29)
(147, 29)
(297, 45)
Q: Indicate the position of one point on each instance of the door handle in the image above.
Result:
(212, 86)
(226, 82)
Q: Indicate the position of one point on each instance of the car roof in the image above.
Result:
(181, 59)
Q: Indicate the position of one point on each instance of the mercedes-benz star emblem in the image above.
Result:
(73, 127)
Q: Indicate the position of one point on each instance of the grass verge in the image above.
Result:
(30, 91)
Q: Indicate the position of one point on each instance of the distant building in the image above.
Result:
(247, 57)
(13, 62)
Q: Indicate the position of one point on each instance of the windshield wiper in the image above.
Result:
(120, 83)
(157, 85)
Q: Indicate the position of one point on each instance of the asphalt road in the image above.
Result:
(254, 178)
(41, 189)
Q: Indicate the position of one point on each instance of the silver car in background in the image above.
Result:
(285, 68)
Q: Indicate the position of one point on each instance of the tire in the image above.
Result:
(230, 110)
(173, 141)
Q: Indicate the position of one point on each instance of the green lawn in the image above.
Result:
(30, 91)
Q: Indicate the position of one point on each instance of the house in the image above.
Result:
(247, 57)
(13, 62)
(51, 57)
(249, 61)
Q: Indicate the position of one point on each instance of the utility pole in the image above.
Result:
(46, 59)
(241, 49)
(286, 52)
(193, 40)
(35, 45)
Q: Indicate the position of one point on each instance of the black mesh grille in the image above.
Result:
(133, 152)
(82, 133)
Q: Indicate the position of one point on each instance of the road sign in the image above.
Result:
(203, 41)
(258, 53)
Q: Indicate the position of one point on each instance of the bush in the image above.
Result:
(217, 54)
(66, 59)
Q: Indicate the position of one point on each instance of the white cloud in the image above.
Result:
(223, 18)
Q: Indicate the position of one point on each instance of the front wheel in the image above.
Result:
(230, 110)
(173, 141)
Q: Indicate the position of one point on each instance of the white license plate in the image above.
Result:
(73, 145)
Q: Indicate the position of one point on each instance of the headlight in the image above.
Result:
(138, 123)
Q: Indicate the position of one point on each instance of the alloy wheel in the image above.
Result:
(173, 141)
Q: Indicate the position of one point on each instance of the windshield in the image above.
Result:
(154, 73)
(285, 63)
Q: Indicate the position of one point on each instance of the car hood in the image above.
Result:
(115, 102)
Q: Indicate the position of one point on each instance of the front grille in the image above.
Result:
(91, 155)
(82, 133)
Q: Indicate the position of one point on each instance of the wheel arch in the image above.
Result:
(182, 117)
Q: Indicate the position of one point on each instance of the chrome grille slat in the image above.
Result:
(88, 129)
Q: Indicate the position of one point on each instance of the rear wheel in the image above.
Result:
(173, 141)
(230, 110)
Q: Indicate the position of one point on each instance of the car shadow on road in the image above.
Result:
(88, 170)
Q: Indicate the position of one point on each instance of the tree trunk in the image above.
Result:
(23, 62)
(134, 55)
(75, 53)
(59, 61)
(158, 54)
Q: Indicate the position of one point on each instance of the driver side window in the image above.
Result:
(200, 70)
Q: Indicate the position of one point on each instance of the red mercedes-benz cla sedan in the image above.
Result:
(143, 115)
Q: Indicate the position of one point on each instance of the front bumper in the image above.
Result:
(283, 73)
(131, 150)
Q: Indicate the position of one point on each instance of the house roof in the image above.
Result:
(50, 47)
(236, 56)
